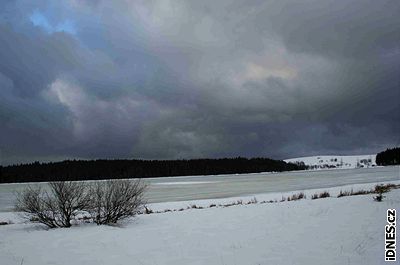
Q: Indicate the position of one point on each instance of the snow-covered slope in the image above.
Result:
(335, 161)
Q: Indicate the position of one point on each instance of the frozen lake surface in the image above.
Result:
(221, 186)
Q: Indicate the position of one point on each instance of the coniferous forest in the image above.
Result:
(116, 169)
(388, 157)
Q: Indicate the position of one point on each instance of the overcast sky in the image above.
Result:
(192, 79)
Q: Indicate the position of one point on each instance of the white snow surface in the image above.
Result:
(323, 161)
(184, 182)
(347, 230)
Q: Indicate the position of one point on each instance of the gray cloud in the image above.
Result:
(179, 79)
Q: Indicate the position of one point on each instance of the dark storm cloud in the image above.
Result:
(180, 79)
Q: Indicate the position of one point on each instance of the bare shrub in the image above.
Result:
(344, 193)
(147, 210)
(296, 197)
(115, 200)
(362, 192)
(383, 188)
(380, 189)
(378, 197)
(253, 201)
(353, 193)
(56, 207)
(323, 194)
(238, 202)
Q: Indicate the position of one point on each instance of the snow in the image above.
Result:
(336, 161)
(184, 182)
(333, 191)
(347, 230)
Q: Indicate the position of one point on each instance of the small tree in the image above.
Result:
(380, 189)
(114, 200)
(56, 207)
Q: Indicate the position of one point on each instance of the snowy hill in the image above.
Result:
(335, 161)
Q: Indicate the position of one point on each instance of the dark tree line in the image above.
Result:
(388, 157)
(71, 170)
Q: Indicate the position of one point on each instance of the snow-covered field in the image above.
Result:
(347, 230)
(326, 161)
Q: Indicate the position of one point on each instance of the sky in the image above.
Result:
(194, 79)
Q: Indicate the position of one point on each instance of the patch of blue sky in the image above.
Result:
(39, 20)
